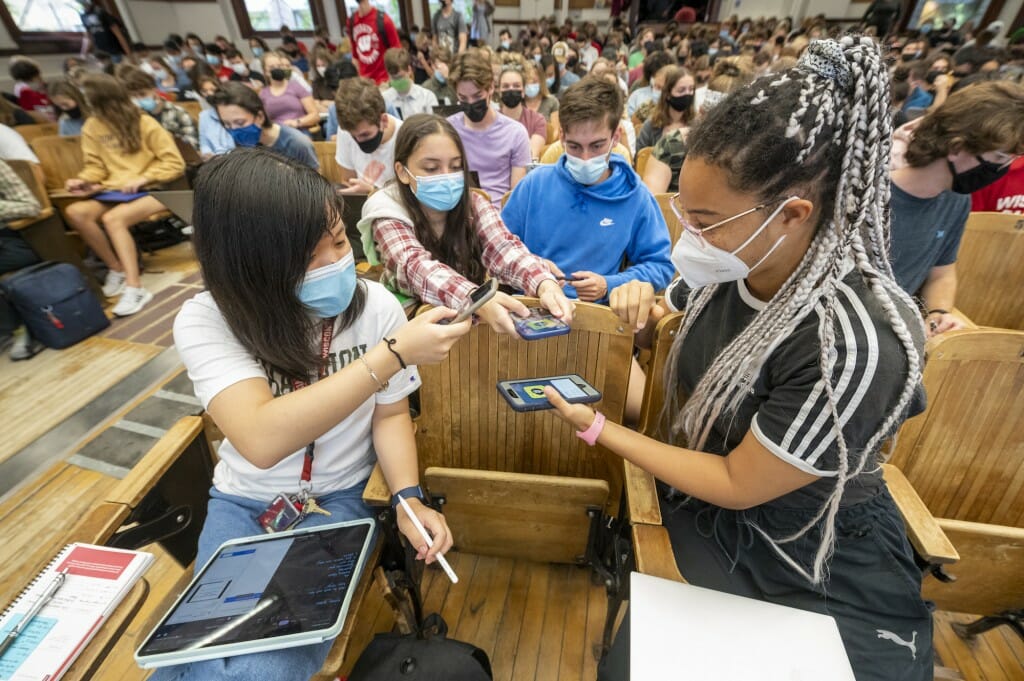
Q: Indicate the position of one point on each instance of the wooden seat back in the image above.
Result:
(989, 275)
(61, 159)
(988, 572)
(465, 423)
(965, 454)
(34, 130)
(544, 518)
(654, 388)
(192, 108)
(675, 227)
(642, 156)
(325, 154)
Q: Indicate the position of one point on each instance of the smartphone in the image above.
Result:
(478, 297)
(540, 324)
(527, 394)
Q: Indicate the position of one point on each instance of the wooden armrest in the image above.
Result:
(22, 223)
(924, 533)
(641, 496)
(377, 492)
(968, 324)
(156, 462)
(654, 552)
(100, 523)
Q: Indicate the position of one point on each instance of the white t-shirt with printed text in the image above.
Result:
(216, 360)
(349, 155)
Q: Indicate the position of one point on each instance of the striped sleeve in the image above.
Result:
(796, 424)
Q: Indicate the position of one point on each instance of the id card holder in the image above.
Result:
(281, 514)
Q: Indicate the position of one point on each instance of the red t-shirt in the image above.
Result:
(366, 45)
(224, 73)
(31, 99)
(1005, 195)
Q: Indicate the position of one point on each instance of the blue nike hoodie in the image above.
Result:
(594, 228)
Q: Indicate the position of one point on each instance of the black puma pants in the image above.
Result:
(873, 588)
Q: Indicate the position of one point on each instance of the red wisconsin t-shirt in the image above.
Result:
(1005, 195)
(366, 45)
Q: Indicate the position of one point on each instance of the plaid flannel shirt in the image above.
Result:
(16, 199)
(415, 271)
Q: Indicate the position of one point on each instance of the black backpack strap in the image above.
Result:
(380, 30)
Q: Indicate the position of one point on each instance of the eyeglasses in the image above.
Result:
(698, 232)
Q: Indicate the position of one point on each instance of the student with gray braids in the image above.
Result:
(800, 355)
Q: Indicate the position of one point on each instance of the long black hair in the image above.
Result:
(258, 217)
(459, 246)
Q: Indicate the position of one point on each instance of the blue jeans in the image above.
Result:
(231, 517)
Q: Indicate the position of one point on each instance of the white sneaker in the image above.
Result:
(113, 284)
(132, 300)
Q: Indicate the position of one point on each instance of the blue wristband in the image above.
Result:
(414, 492)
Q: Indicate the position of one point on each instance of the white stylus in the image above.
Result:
(430, 542)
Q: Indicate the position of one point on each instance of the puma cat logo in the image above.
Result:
(912, 643)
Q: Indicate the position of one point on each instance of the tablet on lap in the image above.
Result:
(264, 593)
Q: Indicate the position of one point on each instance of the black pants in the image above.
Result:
(873, 588)
(14, 254)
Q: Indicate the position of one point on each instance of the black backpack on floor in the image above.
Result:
(56, 303)
(152, 235)
(428, 655)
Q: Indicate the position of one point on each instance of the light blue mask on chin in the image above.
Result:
(328, 290)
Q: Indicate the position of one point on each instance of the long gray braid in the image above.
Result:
(822, 127)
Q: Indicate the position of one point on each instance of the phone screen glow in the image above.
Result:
(567, 388)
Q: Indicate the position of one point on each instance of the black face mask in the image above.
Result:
(982, 175)
(75, 113)
(571, 62)
(369, 146)
(680, 103)
(280, 74)
(649, 46)
(931, 76)
(512, 98)
(476, 111)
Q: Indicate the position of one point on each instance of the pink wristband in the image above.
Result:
(591, 434)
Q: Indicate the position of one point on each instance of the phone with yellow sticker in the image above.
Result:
(527, 394)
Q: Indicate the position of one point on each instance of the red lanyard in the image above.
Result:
(326, 335)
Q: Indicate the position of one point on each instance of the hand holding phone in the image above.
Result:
(540, 324)
(479, 297)
(527, 394)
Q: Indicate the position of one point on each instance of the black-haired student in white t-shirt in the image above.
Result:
(285, 348)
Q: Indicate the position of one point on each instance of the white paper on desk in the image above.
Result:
(98, 579)
(681, 631)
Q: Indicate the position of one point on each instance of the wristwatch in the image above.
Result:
(414, 492)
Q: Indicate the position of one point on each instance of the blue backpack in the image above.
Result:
(55, 303)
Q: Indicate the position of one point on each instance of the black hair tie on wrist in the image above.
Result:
(391, 346)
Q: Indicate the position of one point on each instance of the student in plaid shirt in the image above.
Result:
(16, 201)
(438, 241)
(172, 118)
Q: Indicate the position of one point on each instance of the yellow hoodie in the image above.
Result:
(158, 159)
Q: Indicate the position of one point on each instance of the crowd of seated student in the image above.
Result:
(365, 148)
(404, 98)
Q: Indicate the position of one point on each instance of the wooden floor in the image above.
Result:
(534, 621)
(998, 655)
(37, 394)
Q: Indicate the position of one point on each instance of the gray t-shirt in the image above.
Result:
(787, 409)
(297, 146)
(925, 234)
(447, 29)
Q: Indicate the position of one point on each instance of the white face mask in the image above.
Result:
(701, 264)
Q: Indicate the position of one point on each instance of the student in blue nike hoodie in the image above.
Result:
(589, 214)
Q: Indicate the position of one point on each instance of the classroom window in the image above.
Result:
(270, 15)
(390, 7)
(935, 12)
(51, 16)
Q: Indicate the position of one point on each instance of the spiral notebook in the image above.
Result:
(98, 579)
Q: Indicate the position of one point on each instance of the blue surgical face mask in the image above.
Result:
(213, 59)
(586, 172)
(532, 90)
(655, 96)
(249, 136)
(507, 44)
(257, 52)
(440, 77)
(440, 192)
(328, 290)
(160, 74)
(147, 104)
(551, 82)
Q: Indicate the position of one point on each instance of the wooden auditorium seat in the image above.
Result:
(325, 154)
(965, 458)
(642, 156)
(675, 227)
(989, 273)
(34, 130)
